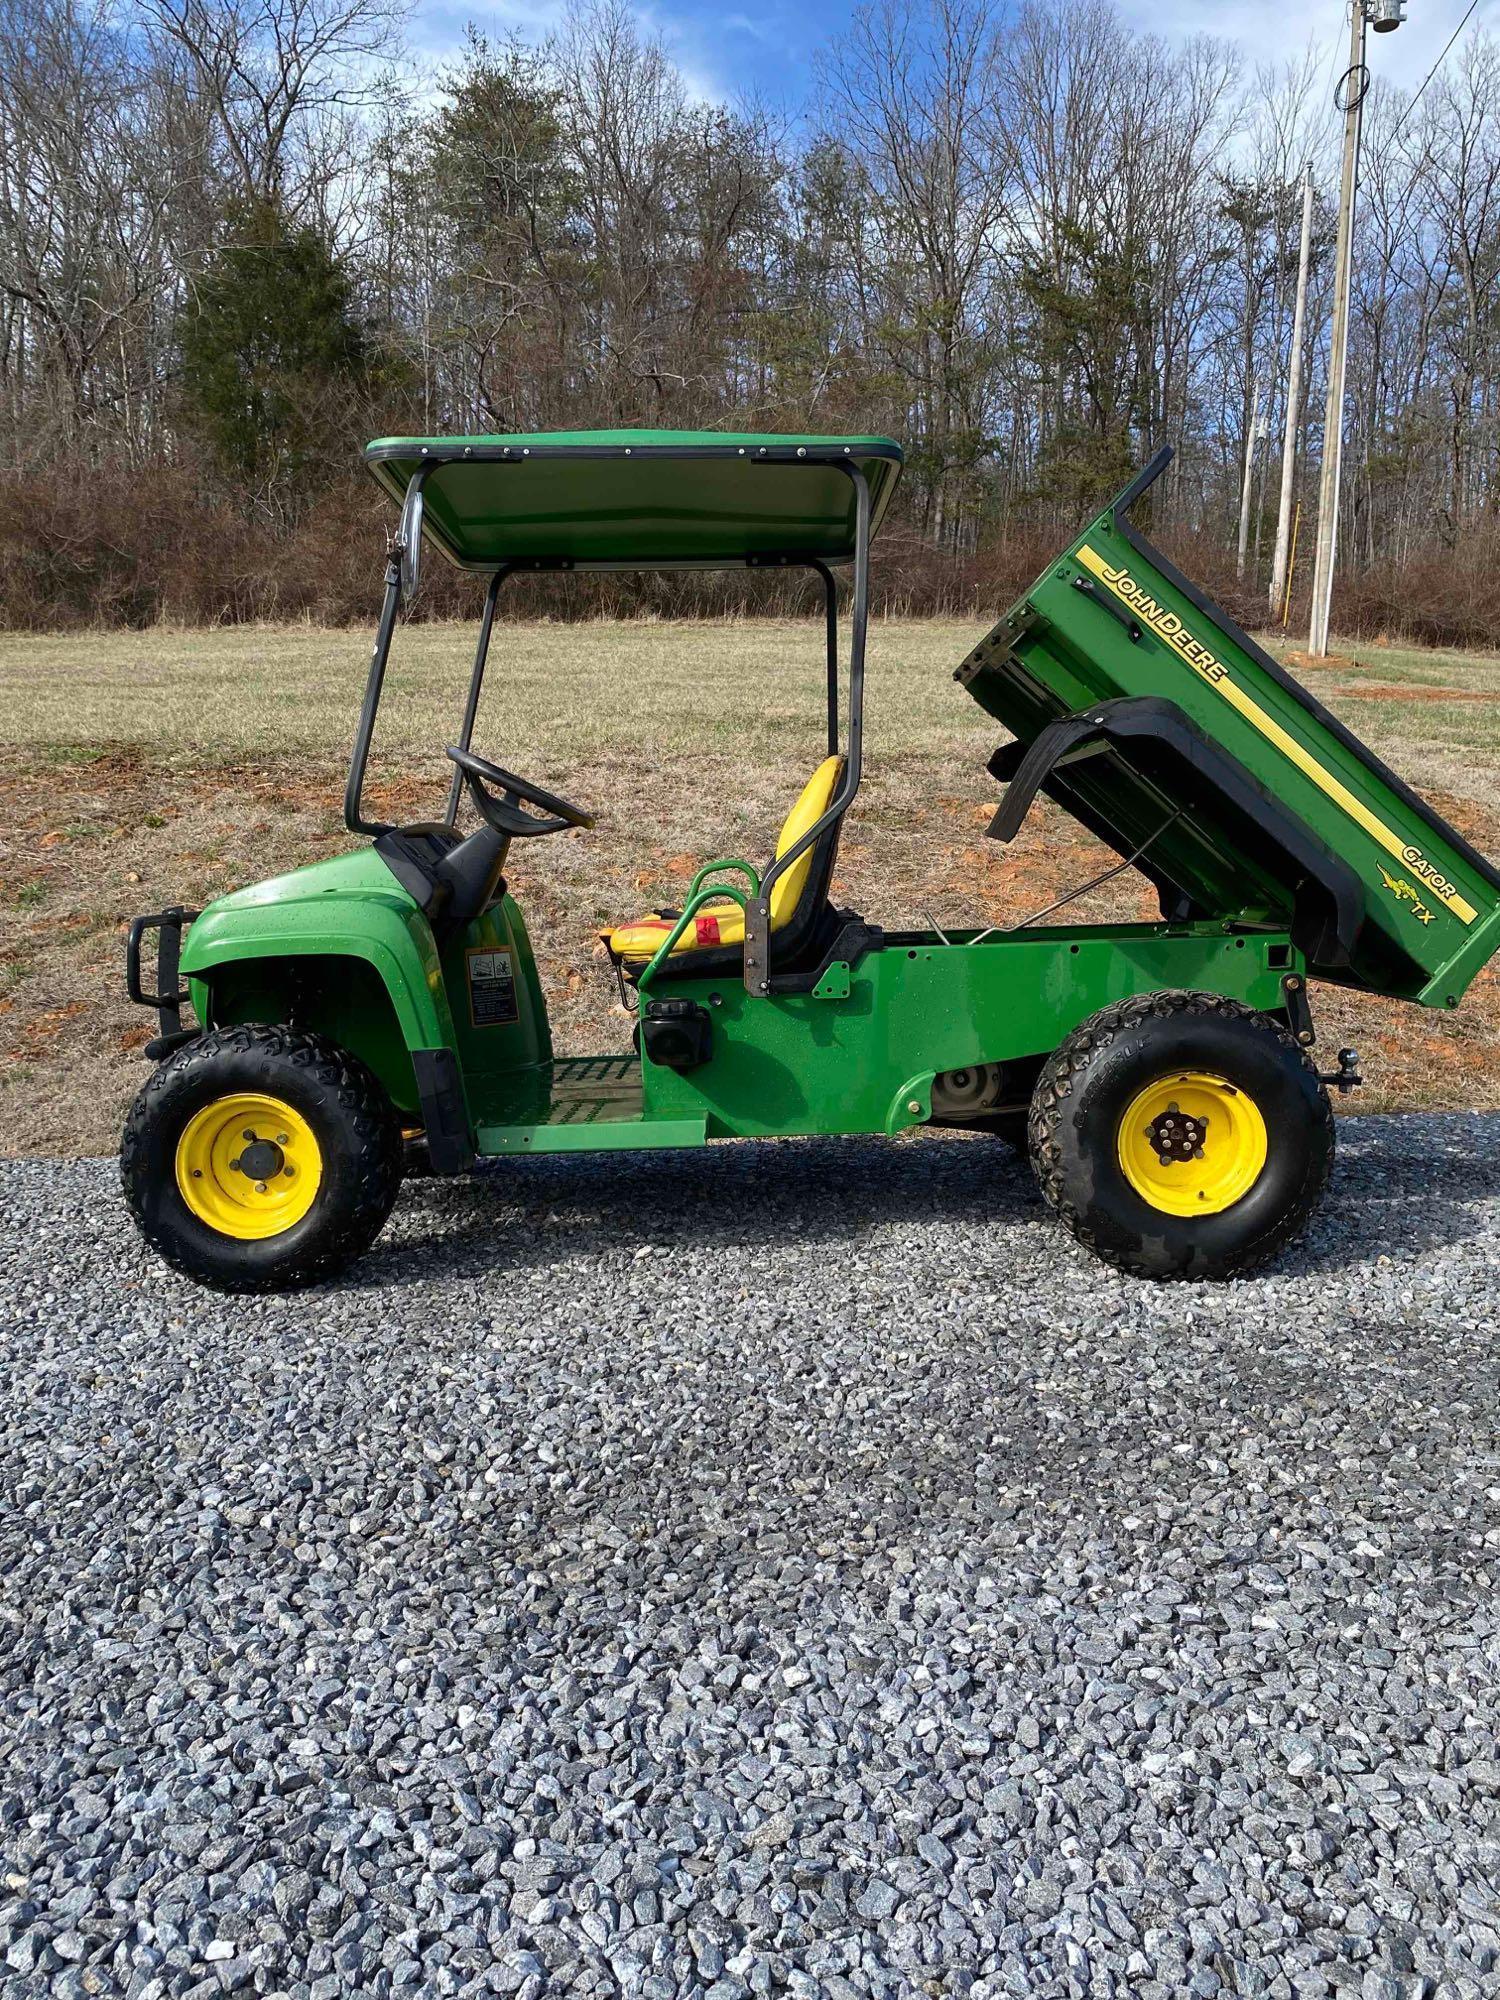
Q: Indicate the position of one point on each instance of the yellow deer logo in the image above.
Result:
(1405, 893)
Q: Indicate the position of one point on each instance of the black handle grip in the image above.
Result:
(1086, 588)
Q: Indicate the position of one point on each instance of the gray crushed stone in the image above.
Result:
(796, 1569)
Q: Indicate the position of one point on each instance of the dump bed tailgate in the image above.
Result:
(1151, 717)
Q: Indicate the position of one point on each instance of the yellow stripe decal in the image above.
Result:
(1172, 632)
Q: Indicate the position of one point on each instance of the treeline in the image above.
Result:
(237, 237)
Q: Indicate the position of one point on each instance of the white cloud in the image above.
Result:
(697, 46)
(1270, 33)
(717, 51)
(436, 27)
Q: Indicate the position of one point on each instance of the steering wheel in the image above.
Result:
(503, 814)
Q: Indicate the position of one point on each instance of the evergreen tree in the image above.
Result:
(271, 349)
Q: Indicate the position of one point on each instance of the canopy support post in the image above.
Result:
(831, 628)
(476, 683)
(354, 817)
(758, 914)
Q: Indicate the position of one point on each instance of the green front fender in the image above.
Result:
(349, 907)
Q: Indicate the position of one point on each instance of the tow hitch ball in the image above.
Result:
(1346, 1076)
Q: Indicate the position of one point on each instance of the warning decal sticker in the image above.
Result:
(492, 989)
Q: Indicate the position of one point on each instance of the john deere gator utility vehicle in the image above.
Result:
(1159, 1073)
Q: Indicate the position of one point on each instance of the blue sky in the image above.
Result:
(729, 46)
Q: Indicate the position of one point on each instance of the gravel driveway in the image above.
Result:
(792, 1569)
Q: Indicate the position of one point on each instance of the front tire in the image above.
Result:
(259, 1160)
(1181, 1135)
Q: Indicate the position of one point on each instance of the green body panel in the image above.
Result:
(638, 498)
(283, 947)
(1431, 915)
(804, 1064)
(858, 1054)
(585, 1104)
(636, 1135)
(248, 951)
(350, 906)
(861, 1055)
(497, 1054)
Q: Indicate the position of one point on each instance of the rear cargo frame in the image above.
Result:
(1081, 660)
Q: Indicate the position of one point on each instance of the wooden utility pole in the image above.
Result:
(1252, 438)
(1293, 405)
(1386, 16)
(1356, 80)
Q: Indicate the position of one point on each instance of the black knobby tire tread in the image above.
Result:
(1066, 1068)
(377, 1152)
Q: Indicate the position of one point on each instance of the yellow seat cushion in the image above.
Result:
(641, 939)
(724, 924)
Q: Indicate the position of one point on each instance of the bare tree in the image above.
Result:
(281, 77)
(1027, 242)
(83, 196)
(915, 79)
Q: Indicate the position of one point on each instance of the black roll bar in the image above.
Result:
(476, 682)
(354, 817)
(831, 630)
(758, 911)
(757, 926)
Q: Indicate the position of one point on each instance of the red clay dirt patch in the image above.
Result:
(1304, 663)
(1408, 691)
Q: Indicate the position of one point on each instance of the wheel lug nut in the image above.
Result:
(248, 1136)
(260, 1187)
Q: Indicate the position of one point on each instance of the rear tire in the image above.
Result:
(320, 1145)
(1181, 1135)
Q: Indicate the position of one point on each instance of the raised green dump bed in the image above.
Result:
(1164, 729)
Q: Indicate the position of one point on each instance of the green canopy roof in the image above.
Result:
(639, 499)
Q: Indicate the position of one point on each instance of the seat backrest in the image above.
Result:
(788, 890)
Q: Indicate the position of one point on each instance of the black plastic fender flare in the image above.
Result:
(1329, 905)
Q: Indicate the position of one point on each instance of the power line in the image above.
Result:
(1326, 76)
(1412, 105)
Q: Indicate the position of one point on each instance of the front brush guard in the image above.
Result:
(169, 994)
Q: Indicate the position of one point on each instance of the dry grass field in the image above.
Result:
(150, 767)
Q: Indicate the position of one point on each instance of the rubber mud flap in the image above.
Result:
(445, 1112)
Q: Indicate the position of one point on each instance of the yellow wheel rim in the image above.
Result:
(249, 1166)
(1192, 1144)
